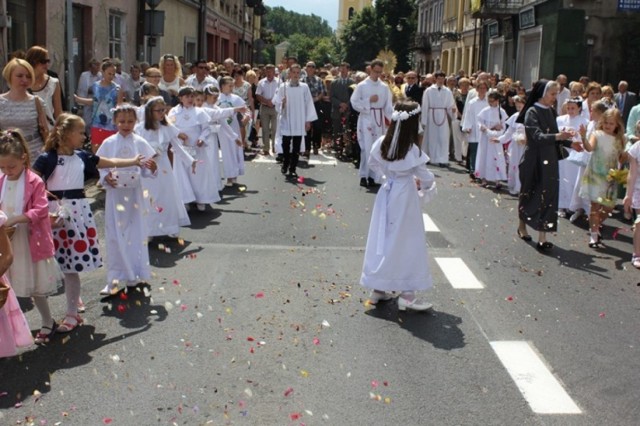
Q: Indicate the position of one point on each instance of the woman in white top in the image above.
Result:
(45, 86)
(171, 81)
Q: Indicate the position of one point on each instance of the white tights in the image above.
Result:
(72, 291)
(42, 305)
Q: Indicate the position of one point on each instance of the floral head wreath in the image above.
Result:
(399, 117)
(123, 108)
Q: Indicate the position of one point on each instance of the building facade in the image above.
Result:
(428, 43)
(530, 39)
(348, 8)
(460, 37)
(210, 29)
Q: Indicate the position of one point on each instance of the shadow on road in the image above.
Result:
(438, 328)
(166, 252)
(32, 371)
(133, 309)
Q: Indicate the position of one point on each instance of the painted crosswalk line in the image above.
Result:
(538, 386)
(458, 273)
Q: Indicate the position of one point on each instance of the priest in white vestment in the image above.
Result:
(437, 106)
(373, 100)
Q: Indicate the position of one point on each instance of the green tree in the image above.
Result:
(363, 37)
(287, 23)
(325, 51)
(400, 17)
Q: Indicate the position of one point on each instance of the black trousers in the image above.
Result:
(290, 153)
(314, 136)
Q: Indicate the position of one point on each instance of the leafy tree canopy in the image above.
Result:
(286, 23)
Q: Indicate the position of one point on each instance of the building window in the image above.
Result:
(22, 31)
(116, 35)
(190, 52)
(351, 11)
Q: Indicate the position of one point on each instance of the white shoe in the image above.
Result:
(576, 215)
(378, 296)
(109, 290)
(415, 304)
(200, 207)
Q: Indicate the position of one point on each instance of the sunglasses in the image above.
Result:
(165, 57)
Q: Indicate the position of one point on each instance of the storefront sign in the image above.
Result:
(527, 18)
(628, 5)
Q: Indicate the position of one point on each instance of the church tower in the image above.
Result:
(348, 8)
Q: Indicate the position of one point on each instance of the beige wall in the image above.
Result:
(180, 21)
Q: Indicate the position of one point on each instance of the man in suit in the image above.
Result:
(625, 100)
(411, 88)
(340, 107)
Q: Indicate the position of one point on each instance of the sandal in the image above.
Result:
(67, 326)
(44, 338)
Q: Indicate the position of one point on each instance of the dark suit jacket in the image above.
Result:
(630, 101)
(414, 93)
(339, 93)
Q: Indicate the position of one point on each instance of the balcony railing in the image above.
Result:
(495, 8)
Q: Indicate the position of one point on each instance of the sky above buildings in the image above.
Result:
(326, 9)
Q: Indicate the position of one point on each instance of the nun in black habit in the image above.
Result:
(538, 202)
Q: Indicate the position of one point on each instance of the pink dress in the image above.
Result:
(14, 330)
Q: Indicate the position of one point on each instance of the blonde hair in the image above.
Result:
(12, 65)
(12, 143)
(163, 58)
(614, 114)
(65, 124)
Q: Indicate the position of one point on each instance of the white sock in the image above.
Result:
(43, 307)
(594, 237)
(72, 291)
(408, 295)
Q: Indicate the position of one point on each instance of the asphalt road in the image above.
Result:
(256, 317)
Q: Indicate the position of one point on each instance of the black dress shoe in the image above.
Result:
(371, 182)
(523, 237)
(544, 246)
(293, 174)
(363, 182)
(283, 170)
(279, 158)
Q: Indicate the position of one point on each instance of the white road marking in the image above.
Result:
(429, 226)
(315, 160)
(458, 273)
(537, 384)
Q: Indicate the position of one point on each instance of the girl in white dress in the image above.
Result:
(167, 213)
(125, 228)
(517, 140)
(193, 122)
(491, 165)
(221, 133)
(632, 197)
(65, 167)
(395, 258)
(34, 272)
(470, 124)
(581, 206)
(232, 152)
(569, 171)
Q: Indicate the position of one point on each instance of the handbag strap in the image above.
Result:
(42, 120)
